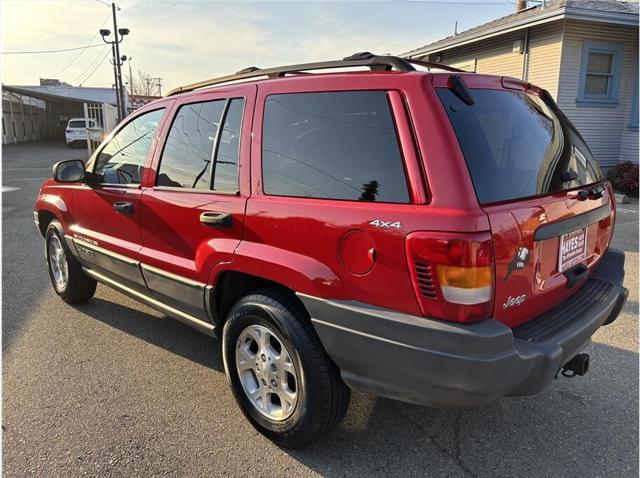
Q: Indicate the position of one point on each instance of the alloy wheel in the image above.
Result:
(266, 372)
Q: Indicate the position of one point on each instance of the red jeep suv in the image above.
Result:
(392, 226)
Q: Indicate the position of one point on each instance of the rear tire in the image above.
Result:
(321, 397)
(68, 280)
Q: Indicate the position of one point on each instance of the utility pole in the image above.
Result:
(115, 76)
(159, 80)
(117, 58)
(130, 77)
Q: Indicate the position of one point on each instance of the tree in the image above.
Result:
(143, 84)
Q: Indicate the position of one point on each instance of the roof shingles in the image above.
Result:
(610, 6)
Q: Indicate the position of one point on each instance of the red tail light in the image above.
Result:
(452, 274)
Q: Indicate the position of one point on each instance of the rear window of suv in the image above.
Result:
(334, 145)
(515, 145)
(77, 124)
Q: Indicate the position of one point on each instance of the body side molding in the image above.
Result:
(197, 324)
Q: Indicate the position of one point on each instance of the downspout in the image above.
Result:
(24, 128)
(525, 56)
(13, 122)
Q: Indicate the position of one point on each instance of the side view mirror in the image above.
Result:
(69, 171)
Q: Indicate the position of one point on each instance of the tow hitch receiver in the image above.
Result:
(578, 365)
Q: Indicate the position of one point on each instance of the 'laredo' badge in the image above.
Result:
(520, 260)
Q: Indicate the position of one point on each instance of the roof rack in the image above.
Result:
(374, 62)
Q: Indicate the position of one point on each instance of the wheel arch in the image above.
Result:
(256, 266)
(44, 219)
(52, 204)
(233, 285)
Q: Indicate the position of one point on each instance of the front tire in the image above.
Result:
(68, 280)
(280, 375)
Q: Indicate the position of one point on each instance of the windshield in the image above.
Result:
(518, 146)
(77, 124)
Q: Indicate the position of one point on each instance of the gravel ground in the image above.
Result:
(112, 388)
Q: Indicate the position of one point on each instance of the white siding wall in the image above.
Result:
(545, 47)
(494, 56)
(629, 150)
(629, 145)
(603, 128)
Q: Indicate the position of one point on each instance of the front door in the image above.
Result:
(106, 231)
(192, 212)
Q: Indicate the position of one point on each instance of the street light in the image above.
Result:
(119, 34)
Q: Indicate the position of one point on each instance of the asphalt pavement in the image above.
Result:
(112, 388)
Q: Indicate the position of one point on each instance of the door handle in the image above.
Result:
(123, 207)
(220, 219)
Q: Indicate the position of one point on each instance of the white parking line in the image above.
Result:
(25, 179)
(26, 169)
(8, 189)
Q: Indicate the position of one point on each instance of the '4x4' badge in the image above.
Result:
(379, 223)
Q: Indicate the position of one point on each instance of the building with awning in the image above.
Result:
(32, 113)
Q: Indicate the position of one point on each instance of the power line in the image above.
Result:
(97, 66)
(49, 51)
(83, 50)
(91, 64)
(453, 2)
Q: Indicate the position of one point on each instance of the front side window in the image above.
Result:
(600, 71)
(122, 159)
(191, 157)
(335, 145)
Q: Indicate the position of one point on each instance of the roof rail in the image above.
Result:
(431, 64)
(374, 62)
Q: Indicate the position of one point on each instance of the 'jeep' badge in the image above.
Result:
(514, 301)
(520, 260)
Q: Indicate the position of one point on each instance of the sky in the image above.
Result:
(187, 41)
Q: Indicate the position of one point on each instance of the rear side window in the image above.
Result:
(190, 157)
(188, 151)
(338, 145)
(225, 177)
(516, 146)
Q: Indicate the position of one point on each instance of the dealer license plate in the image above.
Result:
(573, 249)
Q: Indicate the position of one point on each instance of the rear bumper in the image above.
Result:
(449, 365)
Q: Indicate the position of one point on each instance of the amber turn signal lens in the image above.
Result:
(464, 277)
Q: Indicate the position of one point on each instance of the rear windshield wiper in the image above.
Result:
(568, 176)
(460, 89)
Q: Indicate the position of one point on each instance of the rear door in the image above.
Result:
(549, 208)
(192, 213)
(331, 189)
